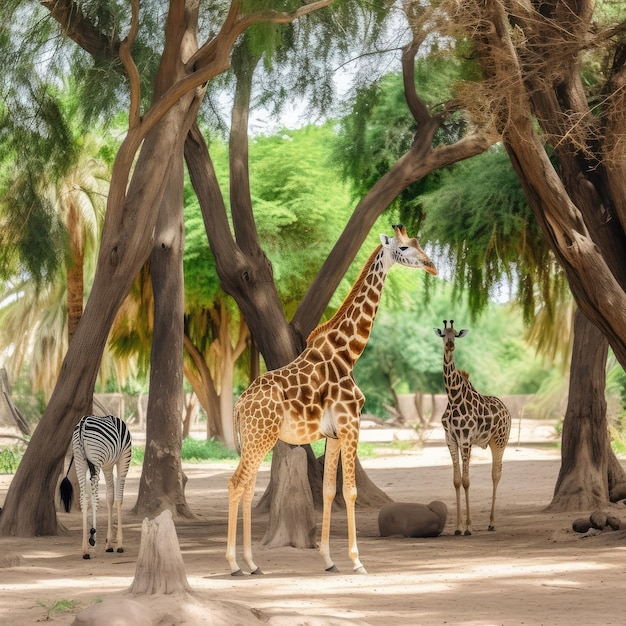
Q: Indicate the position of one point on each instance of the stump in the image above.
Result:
(160, 567)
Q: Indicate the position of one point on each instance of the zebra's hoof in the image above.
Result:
(458, 532)
(467, 533)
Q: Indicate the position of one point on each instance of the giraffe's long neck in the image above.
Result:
(349, 329)
(453, 379)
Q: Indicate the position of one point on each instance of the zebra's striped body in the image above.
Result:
(100, 442)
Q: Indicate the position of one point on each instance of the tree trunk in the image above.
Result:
(202, 383)
(286, 526)
(160, 567)
(583, 482)
(162, 481)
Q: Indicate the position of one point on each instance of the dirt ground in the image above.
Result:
(532, 570)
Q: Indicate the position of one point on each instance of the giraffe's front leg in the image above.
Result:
(331, 459)
(348, 454)
(456, 481)
(465, 456)
(248, 494)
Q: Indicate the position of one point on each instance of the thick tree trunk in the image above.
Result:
(162, 481)
(583, 482)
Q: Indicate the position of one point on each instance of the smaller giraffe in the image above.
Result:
(470, 418)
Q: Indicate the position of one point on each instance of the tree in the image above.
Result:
(144, 209)
(562, 134)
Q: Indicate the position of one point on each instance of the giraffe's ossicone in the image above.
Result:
(470, 419)
(316, 396)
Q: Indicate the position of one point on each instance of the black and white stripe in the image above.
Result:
(99, 442)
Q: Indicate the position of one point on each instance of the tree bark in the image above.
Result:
(583, 481)
(162, 480)
(160, 567)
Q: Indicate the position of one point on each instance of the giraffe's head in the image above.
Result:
(407, 251)
(448, 334)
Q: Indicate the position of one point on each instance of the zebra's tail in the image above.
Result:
(66, 490)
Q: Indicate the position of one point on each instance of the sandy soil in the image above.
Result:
(532, 570)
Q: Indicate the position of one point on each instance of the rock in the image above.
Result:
(614, 522)
(598, 519)
(581, 525)
(411, 519)
(115, 612)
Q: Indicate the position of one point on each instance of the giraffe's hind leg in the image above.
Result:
(331, 459)
(497, 452)
(241, 485)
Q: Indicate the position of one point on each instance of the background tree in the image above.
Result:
(571, 167)
(141, 181)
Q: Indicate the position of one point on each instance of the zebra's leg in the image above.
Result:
(108, 479)
(81, 474)
(95, 477)
(122, 470)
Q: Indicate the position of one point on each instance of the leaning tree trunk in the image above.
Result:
(586, 474)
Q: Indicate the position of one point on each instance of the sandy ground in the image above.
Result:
(532, 570)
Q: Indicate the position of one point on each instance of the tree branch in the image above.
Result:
(80, 29)
(131, 68)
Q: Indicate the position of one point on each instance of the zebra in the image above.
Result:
(99, 442)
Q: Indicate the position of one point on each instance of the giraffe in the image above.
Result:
(316, 396)
(470, 418)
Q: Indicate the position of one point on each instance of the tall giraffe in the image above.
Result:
(316, 396)
(470, 418)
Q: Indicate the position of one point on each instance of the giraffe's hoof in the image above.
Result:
(257, 572)
(120, 550)
(360, 570)
(332, 568)
(458, 532)
(491, 527)
(109, 550)
(86, 556)
(237, 573)
(467, 533)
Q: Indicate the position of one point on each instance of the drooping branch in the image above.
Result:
(131, 68)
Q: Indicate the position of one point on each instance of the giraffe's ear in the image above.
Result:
(385, 240)
(462, 332)
(438, 332)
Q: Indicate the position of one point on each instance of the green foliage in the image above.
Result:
(380, 127)
(485, 229)
(10, 457)
(404, 355)
(196, 451)
(300, 204)
(58, 606)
